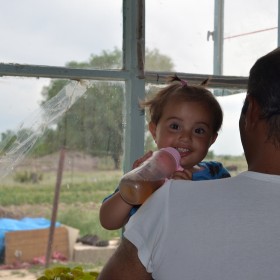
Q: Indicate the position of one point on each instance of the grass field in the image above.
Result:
(79, 201)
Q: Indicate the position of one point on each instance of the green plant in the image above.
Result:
(67, 273)
(26, 176)
(85, 217)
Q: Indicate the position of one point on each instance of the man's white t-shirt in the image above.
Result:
(227, 229)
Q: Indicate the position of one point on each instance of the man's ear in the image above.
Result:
(253, 112)
(152, 129)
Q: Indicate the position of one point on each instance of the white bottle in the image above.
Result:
(138, 184)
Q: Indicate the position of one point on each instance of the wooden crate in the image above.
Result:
(25, 245)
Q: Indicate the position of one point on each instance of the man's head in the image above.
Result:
(264, 88)
(260, 116)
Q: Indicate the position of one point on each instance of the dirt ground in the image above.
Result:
(17, 274)
(73, 160)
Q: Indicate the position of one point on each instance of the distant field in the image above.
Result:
(231, 161)
(79, 201)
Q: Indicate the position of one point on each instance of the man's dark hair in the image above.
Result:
(264, 87)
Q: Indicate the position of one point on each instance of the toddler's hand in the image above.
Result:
(182, 175)
(139, 161)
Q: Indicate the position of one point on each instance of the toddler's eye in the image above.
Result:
(199, 130)
(174, 126)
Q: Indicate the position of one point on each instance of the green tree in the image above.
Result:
(94, 124)
(154, 61)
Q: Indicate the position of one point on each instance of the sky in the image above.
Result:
(55, 32)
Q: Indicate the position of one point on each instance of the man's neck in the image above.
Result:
(266, 161)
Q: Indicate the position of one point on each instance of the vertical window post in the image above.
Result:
(133, 61)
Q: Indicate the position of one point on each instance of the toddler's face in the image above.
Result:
(188, 127)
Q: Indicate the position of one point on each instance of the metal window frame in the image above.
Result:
(134, 74)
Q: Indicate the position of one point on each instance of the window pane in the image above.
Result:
(178, 29)
(231, 105)
(86, 119)
(20, 97)
(250, 31)
(57, 32)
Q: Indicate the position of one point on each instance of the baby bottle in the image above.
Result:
(138, 184)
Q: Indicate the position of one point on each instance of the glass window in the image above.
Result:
(40, 118)
(178, 29)
(82, 116)
(250, 31)
(228, 141)
(58, 32)
(20, 97)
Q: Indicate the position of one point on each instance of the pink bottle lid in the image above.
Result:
(176, 156)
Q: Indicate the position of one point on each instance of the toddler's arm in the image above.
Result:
(114, 212)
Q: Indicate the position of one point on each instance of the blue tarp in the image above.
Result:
(7, 225)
